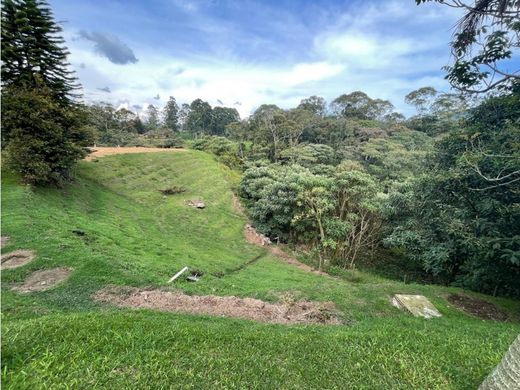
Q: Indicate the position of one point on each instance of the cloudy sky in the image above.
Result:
(242, 53)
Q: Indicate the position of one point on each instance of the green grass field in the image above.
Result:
(136, 236)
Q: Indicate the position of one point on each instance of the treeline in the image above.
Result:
(347, 180)
(165, 128)
(356, 182)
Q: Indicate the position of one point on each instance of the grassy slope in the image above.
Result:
(136, 236)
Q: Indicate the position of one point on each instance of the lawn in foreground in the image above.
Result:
(134, 235)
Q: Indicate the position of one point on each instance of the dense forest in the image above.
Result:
(349, 182)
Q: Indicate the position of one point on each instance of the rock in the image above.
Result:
(418, 305)
(199, 204)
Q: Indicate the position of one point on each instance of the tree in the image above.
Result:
(268, 123)
(487, 37)
(152, 119)
(33, 52)
(40, 115)
(44, 136)
(421, 99)
(200, 117)
(171, 114)
(314, 104)
(184, 114)
(221, 118)
(459, 219)
(114, 127)
(360, 106)
(437, 112)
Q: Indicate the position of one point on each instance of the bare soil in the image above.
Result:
(477, 307)
(108, 151)
(246, 308)
(237, 206)
(17, 258)
(4, 240)
(253, 237)
(44, 280)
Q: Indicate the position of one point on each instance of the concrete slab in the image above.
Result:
(418, 305)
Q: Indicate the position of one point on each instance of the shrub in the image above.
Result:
(41, 144)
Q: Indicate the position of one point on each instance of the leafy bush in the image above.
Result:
(460, 219)
(42, 137)
(228, 152)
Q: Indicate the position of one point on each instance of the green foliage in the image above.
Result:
(40, 128)
(228, 152)
(438, 113)
(136, 236)
(461, 219)
(199, 119)
(336, 211)
(33, 52)
(112, 127)
(221, 118)
(43, 136)
(314, 104)
(309, 155)
(397, 157)
(359, 105)
(171, 114)
(152, 118)
(487, 38)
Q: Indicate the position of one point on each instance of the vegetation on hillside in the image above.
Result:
(379, 203)
(133, 235)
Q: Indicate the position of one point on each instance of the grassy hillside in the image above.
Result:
(134, 235)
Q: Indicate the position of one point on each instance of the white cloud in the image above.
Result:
(360, 51)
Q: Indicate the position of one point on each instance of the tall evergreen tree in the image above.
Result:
(171, 114)
(33, 51)
(41, 123)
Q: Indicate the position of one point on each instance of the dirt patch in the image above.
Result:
(253, 237)
(477, 307)
(109, 151)
(278, 252)
(17, 258)
(44, 280)
(246, 308)
(237, 206)
(4, 240)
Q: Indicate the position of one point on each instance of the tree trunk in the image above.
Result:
(507, 374)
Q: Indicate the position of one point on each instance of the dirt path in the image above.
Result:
(253, 237)
(109, 151)
(292, 312)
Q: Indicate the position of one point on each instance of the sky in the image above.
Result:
(244, 53)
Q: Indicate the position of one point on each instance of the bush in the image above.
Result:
(228, 152)
(41, 136)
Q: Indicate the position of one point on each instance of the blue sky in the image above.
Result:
(243, 53)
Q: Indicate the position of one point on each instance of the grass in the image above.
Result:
(134, 235)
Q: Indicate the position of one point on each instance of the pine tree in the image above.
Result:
(31, 46)
(171, 114)
(41, 128)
